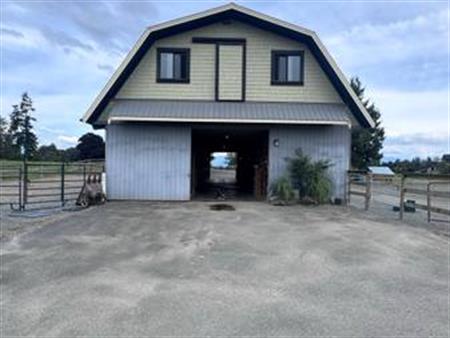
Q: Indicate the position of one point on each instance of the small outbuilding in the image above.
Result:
(381, 171)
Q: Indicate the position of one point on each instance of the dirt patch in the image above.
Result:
(222, 207)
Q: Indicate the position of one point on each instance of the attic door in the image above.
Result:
(230, 72)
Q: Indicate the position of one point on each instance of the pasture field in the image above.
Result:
(42, 184)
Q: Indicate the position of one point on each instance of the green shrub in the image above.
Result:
(282, 190)
(309, 177)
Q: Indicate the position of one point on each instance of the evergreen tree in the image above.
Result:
(6, 145)
(21, 128)
(366, 142)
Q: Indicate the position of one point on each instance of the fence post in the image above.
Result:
(368, 190)
(429, 202)
(20, 189)
(25, 185)
(62, 184)
(402, 196)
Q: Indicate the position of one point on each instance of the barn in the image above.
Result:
(228, 80)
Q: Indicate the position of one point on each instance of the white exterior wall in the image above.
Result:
(142, 82)
(148, 162)
(319, 142)
(151, 162)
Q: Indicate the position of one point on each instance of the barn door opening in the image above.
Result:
(229, 163)
(230, 72)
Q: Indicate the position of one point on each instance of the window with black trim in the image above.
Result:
(173, 65)
(287, 67)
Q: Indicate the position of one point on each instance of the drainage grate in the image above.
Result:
(219, 207)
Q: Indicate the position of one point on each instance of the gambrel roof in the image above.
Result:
(227, 12)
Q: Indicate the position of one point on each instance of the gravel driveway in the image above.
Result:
(180, 269)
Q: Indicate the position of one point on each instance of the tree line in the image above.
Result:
(421, 166)
(18, 140)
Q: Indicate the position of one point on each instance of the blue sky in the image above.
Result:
(63, 52)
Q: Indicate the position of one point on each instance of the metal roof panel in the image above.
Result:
(236, 112)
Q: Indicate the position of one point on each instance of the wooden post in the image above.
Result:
(402, 196)
(429, 202)
(368, 190)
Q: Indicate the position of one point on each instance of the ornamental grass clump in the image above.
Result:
(282, 191)
(310, 178)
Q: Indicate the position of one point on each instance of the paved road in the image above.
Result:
(162, 269)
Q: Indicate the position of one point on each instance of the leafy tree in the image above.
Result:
(49, 153)
(70, 154)
(231, 160)
(443, 168)
(420, 166)
(21, 128)
(91, 146)
(366, 142)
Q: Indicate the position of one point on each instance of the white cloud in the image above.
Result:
(72, 140)
(416, 145)
(405, 112)
(393, 50)
(363, 45)
(24, 37)
(416, 123)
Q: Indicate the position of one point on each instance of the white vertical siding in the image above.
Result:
(148, 162)
(319, 142)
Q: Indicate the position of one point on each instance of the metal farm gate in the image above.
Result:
(44, 185)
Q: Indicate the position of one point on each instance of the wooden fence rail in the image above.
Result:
(361, 179)
(428, 193)
(366, 180)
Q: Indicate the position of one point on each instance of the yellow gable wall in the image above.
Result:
(142, 82)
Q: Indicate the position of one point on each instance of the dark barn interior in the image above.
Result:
(251, 148)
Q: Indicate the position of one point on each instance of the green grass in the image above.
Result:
(17, 164)
(40, 169)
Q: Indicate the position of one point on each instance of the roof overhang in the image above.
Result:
(226, 12)
(190, 111)
(225, 121)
